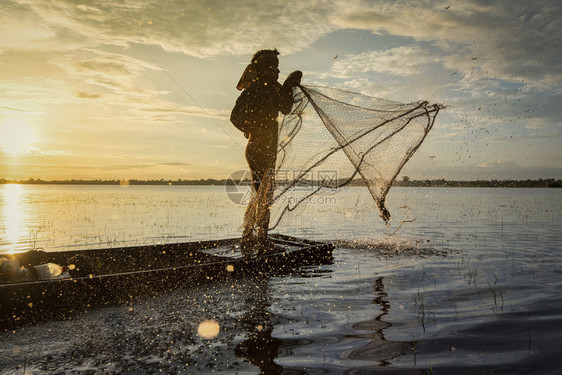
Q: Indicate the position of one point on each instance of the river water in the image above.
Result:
(463, 281)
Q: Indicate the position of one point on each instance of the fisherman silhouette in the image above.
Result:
(255, 114)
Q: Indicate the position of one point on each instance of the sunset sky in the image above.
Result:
(83, 95)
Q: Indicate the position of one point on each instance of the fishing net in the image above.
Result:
(333, 138)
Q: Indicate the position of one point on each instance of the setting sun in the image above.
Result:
(17, 137)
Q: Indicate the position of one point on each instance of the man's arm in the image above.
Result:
(294, 79)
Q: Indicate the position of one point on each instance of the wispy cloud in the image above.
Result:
(16, 109)
(197, 28)
(175, 164)
(87, 95)
(401, 61)
(494, 39)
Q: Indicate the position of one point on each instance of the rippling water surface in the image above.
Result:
(470, 282)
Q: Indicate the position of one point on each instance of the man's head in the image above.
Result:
(264, 67)
(267, 64)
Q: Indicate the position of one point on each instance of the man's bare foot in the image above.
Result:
(265, 247)
(248, 246)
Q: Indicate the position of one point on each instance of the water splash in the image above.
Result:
(392, 247)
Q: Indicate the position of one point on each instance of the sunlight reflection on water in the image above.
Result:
(13, 215)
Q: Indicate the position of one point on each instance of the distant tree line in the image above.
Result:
(405, 182)
(540, 183)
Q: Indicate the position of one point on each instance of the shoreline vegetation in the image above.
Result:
(405, 182)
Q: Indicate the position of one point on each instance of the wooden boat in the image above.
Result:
(118, 275)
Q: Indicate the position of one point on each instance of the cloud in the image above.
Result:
(87, 95)
(175, 164)
(112, 71)
(544, 123)
(498, 164)
(197, 28)
(545, 136)
(105, 67)
(506, 39)
(115, 81)
(367, 86)
(531, 110)
(498, 169)
(29, 93)
(22, 29)
(174, 109)
(512, 40)
(396, 61)
(16, 109)
(72, 167)
(483, 42)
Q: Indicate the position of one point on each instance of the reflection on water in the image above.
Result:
(379, 349)
(263, 347)
(12, 214)
(259, 348)
(72, 217)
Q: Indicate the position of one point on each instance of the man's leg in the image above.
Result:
(265, 200)
(252, 211)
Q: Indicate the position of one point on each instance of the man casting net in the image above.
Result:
(329, 139)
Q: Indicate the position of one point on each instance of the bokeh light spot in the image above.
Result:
(208, 329)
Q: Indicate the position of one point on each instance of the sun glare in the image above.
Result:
(16, 137)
